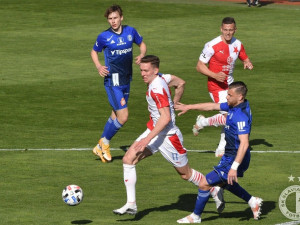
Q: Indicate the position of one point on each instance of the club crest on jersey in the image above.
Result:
(123, 102)
(230, 60)
(129, 37)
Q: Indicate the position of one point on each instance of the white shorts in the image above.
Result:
(170, 146)
(219, 97)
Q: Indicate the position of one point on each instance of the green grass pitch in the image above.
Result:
(51, 97)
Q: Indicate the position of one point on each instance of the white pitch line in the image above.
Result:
(119, 149)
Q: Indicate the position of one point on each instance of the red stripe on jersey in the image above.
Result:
(161, 100)
(243, 56)
(150, 124)
(177, 144)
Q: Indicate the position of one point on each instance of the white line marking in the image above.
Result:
(119, 149)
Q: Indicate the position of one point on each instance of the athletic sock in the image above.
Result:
(113, 128)
(237, 190)
(106, 127)
(196, 177)
(216, 120)
(130, 181)
(201, 201)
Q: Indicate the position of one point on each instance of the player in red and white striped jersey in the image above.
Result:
(161, 134)
(220, 54)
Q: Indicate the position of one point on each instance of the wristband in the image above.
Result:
(235, 165)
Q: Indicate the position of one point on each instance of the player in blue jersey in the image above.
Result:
(236, 159)
(117, 46)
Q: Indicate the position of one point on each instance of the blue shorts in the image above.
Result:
(220, 172)
(118, 96)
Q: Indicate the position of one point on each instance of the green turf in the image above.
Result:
(52, 97)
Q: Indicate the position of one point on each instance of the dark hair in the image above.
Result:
(113, 8)
(154, 60)
(240, 87)
(228, 20)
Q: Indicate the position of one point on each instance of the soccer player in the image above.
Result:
(161, 134)
(117, 45)
(236, 159)
(220, 54)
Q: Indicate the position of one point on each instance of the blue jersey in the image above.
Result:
(238, 121)
(118, 54)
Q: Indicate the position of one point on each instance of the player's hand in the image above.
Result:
(138, 59)
(232, 176)
(221, 77)
(141, 145)
(180, 107)
(248, 65)
(102, 70)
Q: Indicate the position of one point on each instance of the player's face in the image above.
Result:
(148, 72)
(228, 31)
(233, 98)
(115, 20)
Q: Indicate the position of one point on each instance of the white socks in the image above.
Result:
(130, 181)
(196, 177)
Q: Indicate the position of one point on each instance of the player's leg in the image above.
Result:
(255, 203)
(130, 159)
(118, 97)
(202, 199)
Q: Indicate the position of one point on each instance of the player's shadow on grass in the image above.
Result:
(186, 202)
(259, 142)
(81, 221)
(245, 215)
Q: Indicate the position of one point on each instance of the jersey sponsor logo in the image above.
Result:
(121, 52)
(129, 37)
(241, 125)
(121, 41)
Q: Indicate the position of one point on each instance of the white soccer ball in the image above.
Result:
(72, 195)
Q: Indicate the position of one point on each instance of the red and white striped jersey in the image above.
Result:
(221, 57)
(158, 96)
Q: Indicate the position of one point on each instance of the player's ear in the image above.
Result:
(121, 18)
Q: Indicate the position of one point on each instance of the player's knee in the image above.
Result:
(184, 176)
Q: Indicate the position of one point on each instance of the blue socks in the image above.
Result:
(111, 128)
(201, 201)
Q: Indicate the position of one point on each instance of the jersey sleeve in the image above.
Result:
(137, 37)
(224, 106)
(243, 56)
(160, 97)
(99, 44)
(206, 53)
(242, 123)
(166, 77)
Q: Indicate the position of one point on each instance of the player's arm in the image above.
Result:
(208, 106)
(102, 70)
(202, 68)
(143, 50)
(164, 119)
(178, 84)
(244, 144)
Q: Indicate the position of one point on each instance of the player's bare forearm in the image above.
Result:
(208, 106)
(143, 50)
(244, 144)
(178, 84)
(203, 69)
(162, 122)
